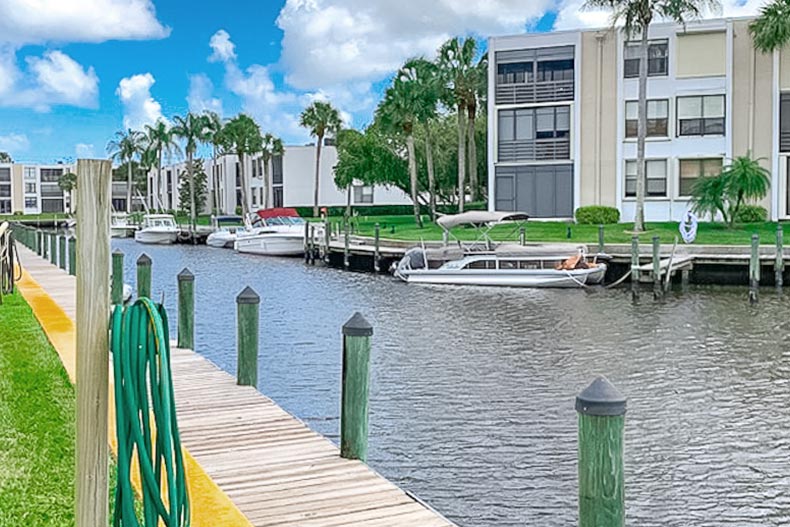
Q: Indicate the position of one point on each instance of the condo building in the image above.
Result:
(563, 117)
(27, 188)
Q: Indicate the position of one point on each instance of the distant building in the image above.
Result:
(32, 188)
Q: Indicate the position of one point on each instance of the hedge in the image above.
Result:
(597, 215)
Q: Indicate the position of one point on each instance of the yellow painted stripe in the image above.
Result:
(211, 507)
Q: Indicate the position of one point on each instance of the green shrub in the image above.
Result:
(389, 210)
(751, 214)
(597, 215)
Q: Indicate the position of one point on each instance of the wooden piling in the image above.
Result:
(312, 244)
(522, 235)
(377, 249)
(327, 240)
(73, 256)
(116, 288)
(357, 333)
(754, 269)
(39, 242)
(601, 410)
(656, 265)
(186, 309)
(307, 242)
(779, 263)
(247, 315)
(92, 342)
(346, 249)
(52, 250)
(62, 251)
(600, 239)
(635, 265)
(144, 276)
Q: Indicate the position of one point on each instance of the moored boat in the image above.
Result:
(226, 229)
(278, 232)
(120, 226)
(158, 229)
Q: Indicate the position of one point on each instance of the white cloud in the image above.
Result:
(139, 107)
(328, 43)
(84, 151)
(222, 49)
(200, 97)
(14, 143)
(26, 22)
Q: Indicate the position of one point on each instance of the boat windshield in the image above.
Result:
(161, 222)
(284, 220)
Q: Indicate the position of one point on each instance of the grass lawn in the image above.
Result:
(37, 425)
(404, 228)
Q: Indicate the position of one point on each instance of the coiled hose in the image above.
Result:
(143, 388)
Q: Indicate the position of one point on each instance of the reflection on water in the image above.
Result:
(473, 389)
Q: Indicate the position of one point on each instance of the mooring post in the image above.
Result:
(684, 278)
(92, 342)
(600, 239)
(327, 239)
(116, 288)
(143, 276)
(779, 264)
(52, 249)
(62, 251)
(39, 239)
(357, 333)
(376, 248)
(307, 242)
(635, 265)
(656, 265)
(186, 309)
(601, 409)
(312, 244)
(247, 315)
(754, 269)
(522, 235)
(346, 249)
(73, 256)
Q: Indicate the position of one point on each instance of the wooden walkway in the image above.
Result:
(275, 469)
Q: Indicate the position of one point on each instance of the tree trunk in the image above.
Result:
(431, 175)
(461, 159)
(215, 179)
(317, 174)
(245, 208)
(348, 201)
(128, 187)
(191, 176)
(641, 134)
(472, 147)
(413, 178)
(265, 182)
(158, 196)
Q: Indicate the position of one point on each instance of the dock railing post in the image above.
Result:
(39, 239)
(754, 269)
(143, 276)
(52, 249)
(600, 239)
(62, 251)
(186, 309)
(377, 249)
(656, 265)
(357, 333)
(247, 313)
(116, 289)
(635, 266)
(73, 256)
(779, 263)
(92, 342)
(601, 409)
(346, 249)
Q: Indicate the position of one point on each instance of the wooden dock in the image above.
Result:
(275, 469)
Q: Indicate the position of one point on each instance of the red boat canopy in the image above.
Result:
(277, 212)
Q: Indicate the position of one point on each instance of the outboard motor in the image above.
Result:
(414, 258)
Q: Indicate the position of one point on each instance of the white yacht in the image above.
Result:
(277, 232)
(225, 230)
(120, 225)
(487, 263)
(157, 229)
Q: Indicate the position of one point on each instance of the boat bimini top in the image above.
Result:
(479, 218)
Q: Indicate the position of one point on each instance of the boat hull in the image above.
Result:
(507, 278)
(274, 244)
(156, 237)
(224, 240)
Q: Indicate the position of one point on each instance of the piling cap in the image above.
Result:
(117, 252)
(248, 296)
(186, 275)
(357, 326)
(144, 259)
(601, 398)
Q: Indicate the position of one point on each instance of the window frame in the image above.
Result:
(648, 195)
(666, 119)
(34, 201)
(702, 119)
(362, 194)
(650, 43)
(699, 160)
(29, 185)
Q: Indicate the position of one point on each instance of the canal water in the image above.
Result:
(472, 402)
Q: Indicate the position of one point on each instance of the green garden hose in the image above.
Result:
(143, 386)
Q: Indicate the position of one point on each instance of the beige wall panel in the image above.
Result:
(784, 69)
(701, 54)
(598, 107)
(17, 189)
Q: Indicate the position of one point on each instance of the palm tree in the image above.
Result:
(193, 129)
(272, 146)
(743, 179)
(67, 183)
(148, 159)
(399, 112)
(321, 118)
(428, 87)
(242, 136)
(456, 63)
(771, 30)
(476, 87)
(123, 148)
(636, 17)
(160, 139)
(214, 124)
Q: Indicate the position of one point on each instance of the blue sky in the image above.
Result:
(74, 72)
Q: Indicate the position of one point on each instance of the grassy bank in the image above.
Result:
(404, 228)
(36, 424)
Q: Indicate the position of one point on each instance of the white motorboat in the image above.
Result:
(157, 229)
(226, 228)
(120, 226)
(278, 232)
(490, 264)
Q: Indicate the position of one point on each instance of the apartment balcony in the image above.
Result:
(537, 150)
(535, 92)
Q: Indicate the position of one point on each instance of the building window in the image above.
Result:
(254, 168)
(657, 59)
(51, 175)
(555, 70)
(30, 173)
(656, 178)
(515, 73)
(363, 194)
(5, 191)
(534, 133)
(5, 206)
(657, 118)
(277, 196)
(693, 169)
(5, 175)
(784, 123)
(701, 115)
(329, 141)
(31, 203)
(277, 170)
(30, 188)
